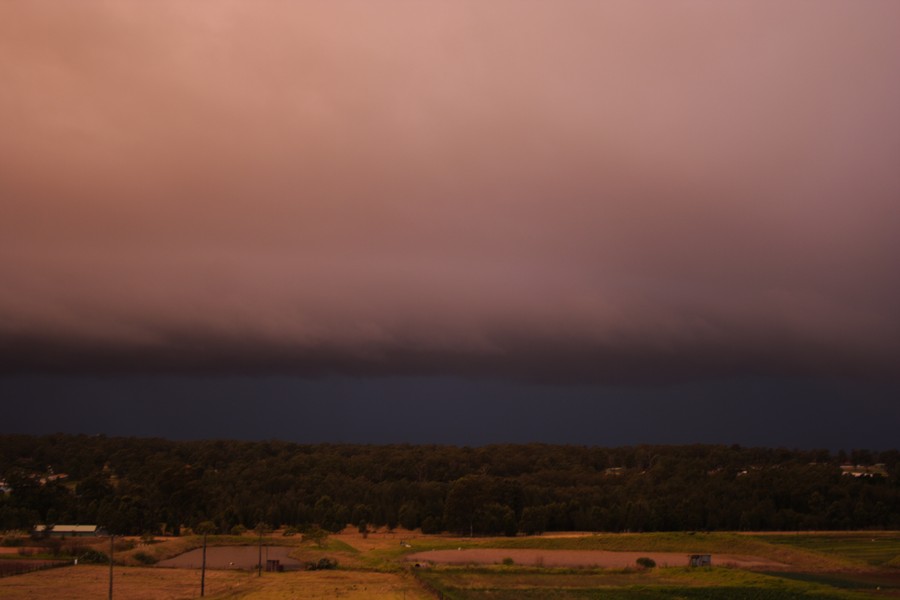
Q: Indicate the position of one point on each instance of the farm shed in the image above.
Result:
(700, 560)
(69, 530)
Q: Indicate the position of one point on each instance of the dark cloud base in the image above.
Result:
(515, 356)
(788, 412)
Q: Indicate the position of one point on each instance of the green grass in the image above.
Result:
(874, 549)
(712, 593)
(771, 547)
(506, 582)
(333, 545)
(847, 581)
(390, 559)
(35, 556)
(503, 583)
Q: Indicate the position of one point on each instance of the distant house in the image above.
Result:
(700, 560)
(69, 530)
(877, 470)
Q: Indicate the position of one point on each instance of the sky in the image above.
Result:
(453, 222)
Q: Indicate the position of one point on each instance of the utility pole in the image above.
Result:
(203, 570)
(112, 548)
(261, 528)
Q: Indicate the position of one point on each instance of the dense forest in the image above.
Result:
(133, 486)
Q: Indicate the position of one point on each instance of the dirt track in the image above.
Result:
(579, 558)
(232, 557)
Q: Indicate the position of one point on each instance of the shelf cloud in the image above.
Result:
(575, 191)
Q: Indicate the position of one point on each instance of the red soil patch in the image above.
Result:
(579, 558)
(232, 557)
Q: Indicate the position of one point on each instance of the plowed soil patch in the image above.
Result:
(232, 557)
(579, 558)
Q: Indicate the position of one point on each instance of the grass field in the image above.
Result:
(826, 566)
(869, 548)
(88, 582)
(147, 583)
(673, 584)
(821, 566)
(689, 543)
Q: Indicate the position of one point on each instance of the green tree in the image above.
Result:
(316, 535)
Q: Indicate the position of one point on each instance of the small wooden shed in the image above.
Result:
(700, 560)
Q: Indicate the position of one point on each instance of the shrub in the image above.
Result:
(53, 546)
(74, 547)
(321, 564)
(508, 561)
(94, 557)
(12, 542)
(646, 563)
(144, 558)
(238, 530)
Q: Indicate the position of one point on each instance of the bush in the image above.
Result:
(52, 546)
(74, 547)
(94, 557)
(321, 564)
(144, 558)
(238, 530)
(646, 563)
(508, 561)
(12, 542)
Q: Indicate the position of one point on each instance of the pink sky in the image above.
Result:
(583, 189)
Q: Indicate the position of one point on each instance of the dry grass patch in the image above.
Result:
(578, 558)
(348, 585)
(86, 582)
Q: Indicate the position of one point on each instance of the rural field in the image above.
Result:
(402, 564)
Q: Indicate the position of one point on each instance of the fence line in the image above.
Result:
(15, 567)
(427, 586)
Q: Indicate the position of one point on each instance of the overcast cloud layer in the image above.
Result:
(571, 191)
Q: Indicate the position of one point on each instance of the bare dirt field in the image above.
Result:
(346, 585)
(578, 558)
(232, 557)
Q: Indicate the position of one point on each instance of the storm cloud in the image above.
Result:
(568, 191)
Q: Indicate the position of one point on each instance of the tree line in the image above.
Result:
(136, 485)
